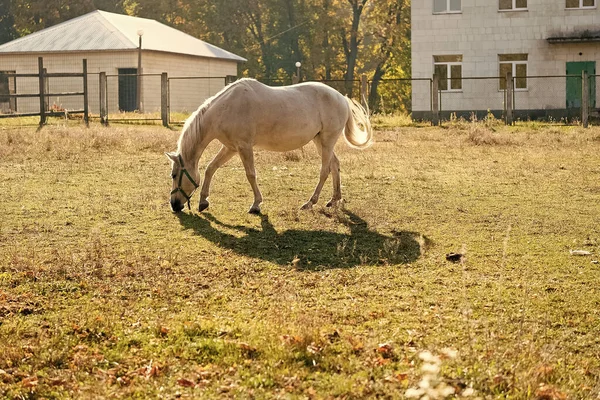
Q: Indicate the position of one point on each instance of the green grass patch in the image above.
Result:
(106, 293)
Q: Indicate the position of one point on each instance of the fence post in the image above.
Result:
(164, 99)
(42, 91)
(509, 90)
(103, 106)
(86, 110)
(585, 99)
(364, 91)
(435, 100)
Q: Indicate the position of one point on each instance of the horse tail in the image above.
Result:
(358, 132)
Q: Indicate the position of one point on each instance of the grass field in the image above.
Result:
(104, 293)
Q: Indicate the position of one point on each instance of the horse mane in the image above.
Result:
(192, 128)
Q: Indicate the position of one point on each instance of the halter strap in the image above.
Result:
(183, 172)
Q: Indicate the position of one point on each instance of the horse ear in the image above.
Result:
(172, 156)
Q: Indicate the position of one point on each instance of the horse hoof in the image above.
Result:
(203, 206)
(307, 206)
(334, 203)
(254, 211)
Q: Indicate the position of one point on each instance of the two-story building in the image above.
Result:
(546, 44)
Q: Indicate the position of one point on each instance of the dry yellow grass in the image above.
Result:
(105, 293)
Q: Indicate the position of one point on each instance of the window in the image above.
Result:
(446, 6)
(517, 65)
(512, 5)
(449, 71)
(580, 3)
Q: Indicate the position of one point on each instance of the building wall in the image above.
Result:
(184, 97)
(481, 32)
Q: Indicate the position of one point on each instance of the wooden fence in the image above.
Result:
(43, 96)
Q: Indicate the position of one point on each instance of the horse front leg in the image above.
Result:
(326, 157)
(221, 158)
(247, 156)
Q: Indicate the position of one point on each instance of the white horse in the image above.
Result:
(248, 114)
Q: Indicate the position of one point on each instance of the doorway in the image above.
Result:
(7, 87)
(128, 89)
(574, 87)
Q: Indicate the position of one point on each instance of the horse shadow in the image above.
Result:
(311, 249)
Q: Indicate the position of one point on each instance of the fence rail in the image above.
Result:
(44, 93)
(127, 96)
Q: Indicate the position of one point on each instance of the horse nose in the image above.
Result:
(176, 205)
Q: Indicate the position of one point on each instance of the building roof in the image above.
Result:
(102, 31)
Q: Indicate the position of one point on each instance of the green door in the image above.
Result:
(574, 70)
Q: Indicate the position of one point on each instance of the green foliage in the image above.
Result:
(333, 39)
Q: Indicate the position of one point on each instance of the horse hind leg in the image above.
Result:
(326, 158)
(337, 182)
(221, 158)
(247, 156)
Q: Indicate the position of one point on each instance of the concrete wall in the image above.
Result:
(481, 32)
(185, 97)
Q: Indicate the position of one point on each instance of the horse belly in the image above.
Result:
(284, 141)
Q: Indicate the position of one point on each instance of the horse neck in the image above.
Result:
(192, 140)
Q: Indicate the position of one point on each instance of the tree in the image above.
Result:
(391, 48)
(7, 29)
(351, 44)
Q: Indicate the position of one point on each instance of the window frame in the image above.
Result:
(447, 10)
(581, 6)
(514, 7)
(513, 64)
(449, 77)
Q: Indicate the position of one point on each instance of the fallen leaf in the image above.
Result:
(385, 350)
(291, 340)
(185, 382)
(548, 392)
(30, 382)
(247, 350)
(313, 349)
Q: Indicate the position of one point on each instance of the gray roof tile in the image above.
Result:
(101, 31)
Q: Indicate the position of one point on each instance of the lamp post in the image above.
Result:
(140, 33)
(298, 65)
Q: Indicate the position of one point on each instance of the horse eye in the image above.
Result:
(173, 176)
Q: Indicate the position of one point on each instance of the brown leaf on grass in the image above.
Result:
(544, 371)
(185, 382)
(57, 381)
(401, 376)
(313, 348)
(30, 382)
(6, 377)
(549, 392)
(163, 331)
(291, 339)
(149, 371)
(247, 350)
(385, 350)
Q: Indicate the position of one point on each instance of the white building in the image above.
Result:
(111, 44)
(462, 39)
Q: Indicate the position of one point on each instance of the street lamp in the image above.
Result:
(298, 65)
(140, 33)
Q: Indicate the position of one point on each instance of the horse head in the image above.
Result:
(184, 182)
